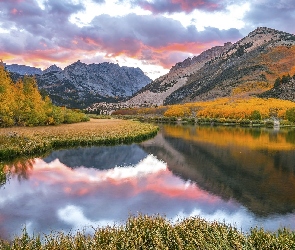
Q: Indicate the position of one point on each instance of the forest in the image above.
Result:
(23, 105)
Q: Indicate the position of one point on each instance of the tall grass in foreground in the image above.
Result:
(156, 232)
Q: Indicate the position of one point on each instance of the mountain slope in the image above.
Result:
(283, 89)
(158, 90)
(249, 66)
(79, 85)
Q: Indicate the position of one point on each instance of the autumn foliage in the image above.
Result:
(23, 105)
(238, 108)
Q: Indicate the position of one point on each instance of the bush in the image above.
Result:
(269, 124)
(245, 122)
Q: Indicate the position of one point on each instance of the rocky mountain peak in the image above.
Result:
(82, 84)
(263, 30)
(75, 66)
(266, 37)
(52, 68)
(23, 69)
(203, 57)
(248, 66)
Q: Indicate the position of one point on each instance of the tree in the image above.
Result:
(6, 99)
(19, 98)
(286, 78)
(290, 114)
(255, 115)
(278, 82)
(34, 106)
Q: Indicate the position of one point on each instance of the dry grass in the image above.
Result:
(156, 232)
(18, 141)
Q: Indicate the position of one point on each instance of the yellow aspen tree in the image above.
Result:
(7, 102)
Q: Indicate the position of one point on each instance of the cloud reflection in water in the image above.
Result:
(56, 197)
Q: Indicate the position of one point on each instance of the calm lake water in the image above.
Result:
(234, 175)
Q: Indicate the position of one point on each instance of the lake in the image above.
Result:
(241, 176)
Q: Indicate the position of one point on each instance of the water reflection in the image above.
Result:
(99, 157)
(183, 171)
(57, 197)
(257, 171)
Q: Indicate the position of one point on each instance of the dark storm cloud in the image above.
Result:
(273, 14)
(171, 6)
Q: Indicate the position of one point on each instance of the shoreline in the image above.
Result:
(28, 141)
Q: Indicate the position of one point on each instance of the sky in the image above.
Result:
(150, 34)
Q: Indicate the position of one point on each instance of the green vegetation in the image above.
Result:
(156, 232)
(23, 105)
(93, 116)
(290, 114)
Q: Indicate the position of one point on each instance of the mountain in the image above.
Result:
(283, 89)
(23, 69)
(79, 84)
(247, 67)
(52, 68)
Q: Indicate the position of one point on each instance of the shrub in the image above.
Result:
(269, 124)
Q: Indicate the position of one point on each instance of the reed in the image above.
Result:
(157, 232)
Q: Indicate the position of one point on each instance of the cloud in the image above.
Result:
(273, 14)
(151, 37)
(99, 1)
(37, 34)
(172, 6)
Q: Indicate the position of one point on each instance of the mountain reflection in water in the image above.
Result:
(183, 171)
(253, 166)
(56, 197)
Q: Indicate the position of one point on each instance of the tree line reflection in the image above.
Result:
(254, 167)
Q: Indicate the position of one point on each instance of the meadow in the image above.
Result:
(157, 232)
(29, 141)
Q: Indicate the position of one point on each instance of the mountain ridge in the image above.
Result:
(246, 67)
(79, 85)
(243, 63)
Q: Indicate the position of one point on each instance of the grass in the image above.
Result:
(156, 232)
(26, 141)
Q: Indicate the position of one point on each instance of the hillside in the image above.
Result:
(79, 84)
(157, 91)
(284, 88)
(248, 67)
